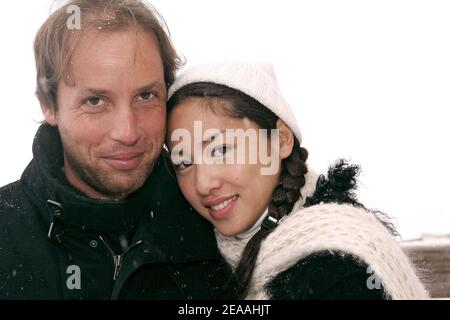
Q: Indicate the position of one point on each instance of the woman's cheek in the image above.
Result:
(187, 188)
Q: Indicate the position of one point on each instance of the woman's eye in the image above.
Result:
(146, 96)
(221, 150)
(95, 101)
(182, 165)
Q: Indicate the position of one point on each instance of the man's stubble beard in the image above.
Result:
(103, 181)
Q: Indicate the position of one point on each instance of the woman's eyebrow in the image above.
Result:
(211, 137)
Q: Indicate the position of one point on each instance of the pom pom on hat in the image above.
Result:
(257, 80)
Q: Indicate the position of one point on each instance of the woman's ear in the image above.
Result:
(286, 137)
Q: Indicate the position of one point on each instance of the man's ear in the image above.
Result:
(49, 114)
(286, 137)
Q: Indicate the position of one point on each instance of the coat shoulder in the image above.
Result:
(10, 196)
(326, 275)
(14, 204)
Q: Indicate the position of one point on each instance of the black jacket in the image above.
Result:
(56, 243)
(325, 276)
(317, 275)
(330, 275)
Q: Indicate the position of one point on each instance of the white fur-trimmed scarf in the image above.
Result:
(328, 227)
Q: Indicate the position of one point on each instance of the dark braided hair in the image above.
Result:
(285, 195)
(293, 168)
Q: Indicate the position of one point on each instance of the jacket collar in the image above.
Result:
(70, 206)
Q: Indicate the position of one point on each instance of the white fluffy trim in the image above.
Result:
(341, 228)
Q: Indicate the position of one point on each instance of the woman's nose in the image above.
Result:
(207, 179)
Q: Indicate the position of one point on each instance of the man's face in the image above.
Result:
(111, 115)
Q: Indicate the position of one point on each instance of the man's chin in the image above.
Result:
(101, 181)
(117, 191)
(114, 184)
(122, 188)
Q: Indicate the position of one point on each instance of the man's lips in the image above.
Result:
(124, 161)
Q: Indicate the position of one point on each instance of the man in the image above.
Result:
(96, 205)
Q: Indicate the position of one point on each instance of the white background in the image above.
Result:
(368, 80)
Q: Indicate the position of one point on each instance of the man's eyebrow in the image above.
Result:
(97, 92)
(104, 92)
(150, 86)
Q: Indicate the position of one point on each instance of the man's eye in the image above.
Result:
(146, 96)
(95, 101)
(182, 165)
(221, 150)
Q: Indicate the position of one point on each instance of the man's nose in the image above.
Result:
(207, 179)
(126, 125)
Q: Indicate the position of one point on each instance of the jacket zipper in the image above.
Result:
(118, 258)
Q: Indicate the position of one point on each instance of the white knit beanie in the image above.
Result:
(256, 80)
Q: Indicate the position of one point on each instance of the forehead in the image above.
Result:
(198, 109)
(104, 53)
(212, 113)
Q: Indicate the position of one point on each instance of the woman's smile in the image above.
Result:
(223, 208)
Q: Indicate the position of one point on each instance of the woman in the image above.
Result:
(287, 233)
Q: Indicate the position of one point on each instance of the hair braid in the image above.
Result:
(292, 179)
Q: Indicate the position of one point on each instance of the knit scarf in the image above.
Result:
(330, 227)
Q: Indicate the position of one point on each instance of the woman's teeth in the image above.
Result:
(223, 204)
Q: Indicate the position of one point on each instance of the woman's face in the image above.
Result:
(229, 192)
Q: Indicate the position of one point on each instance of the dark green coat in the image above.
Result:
(55, 243)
